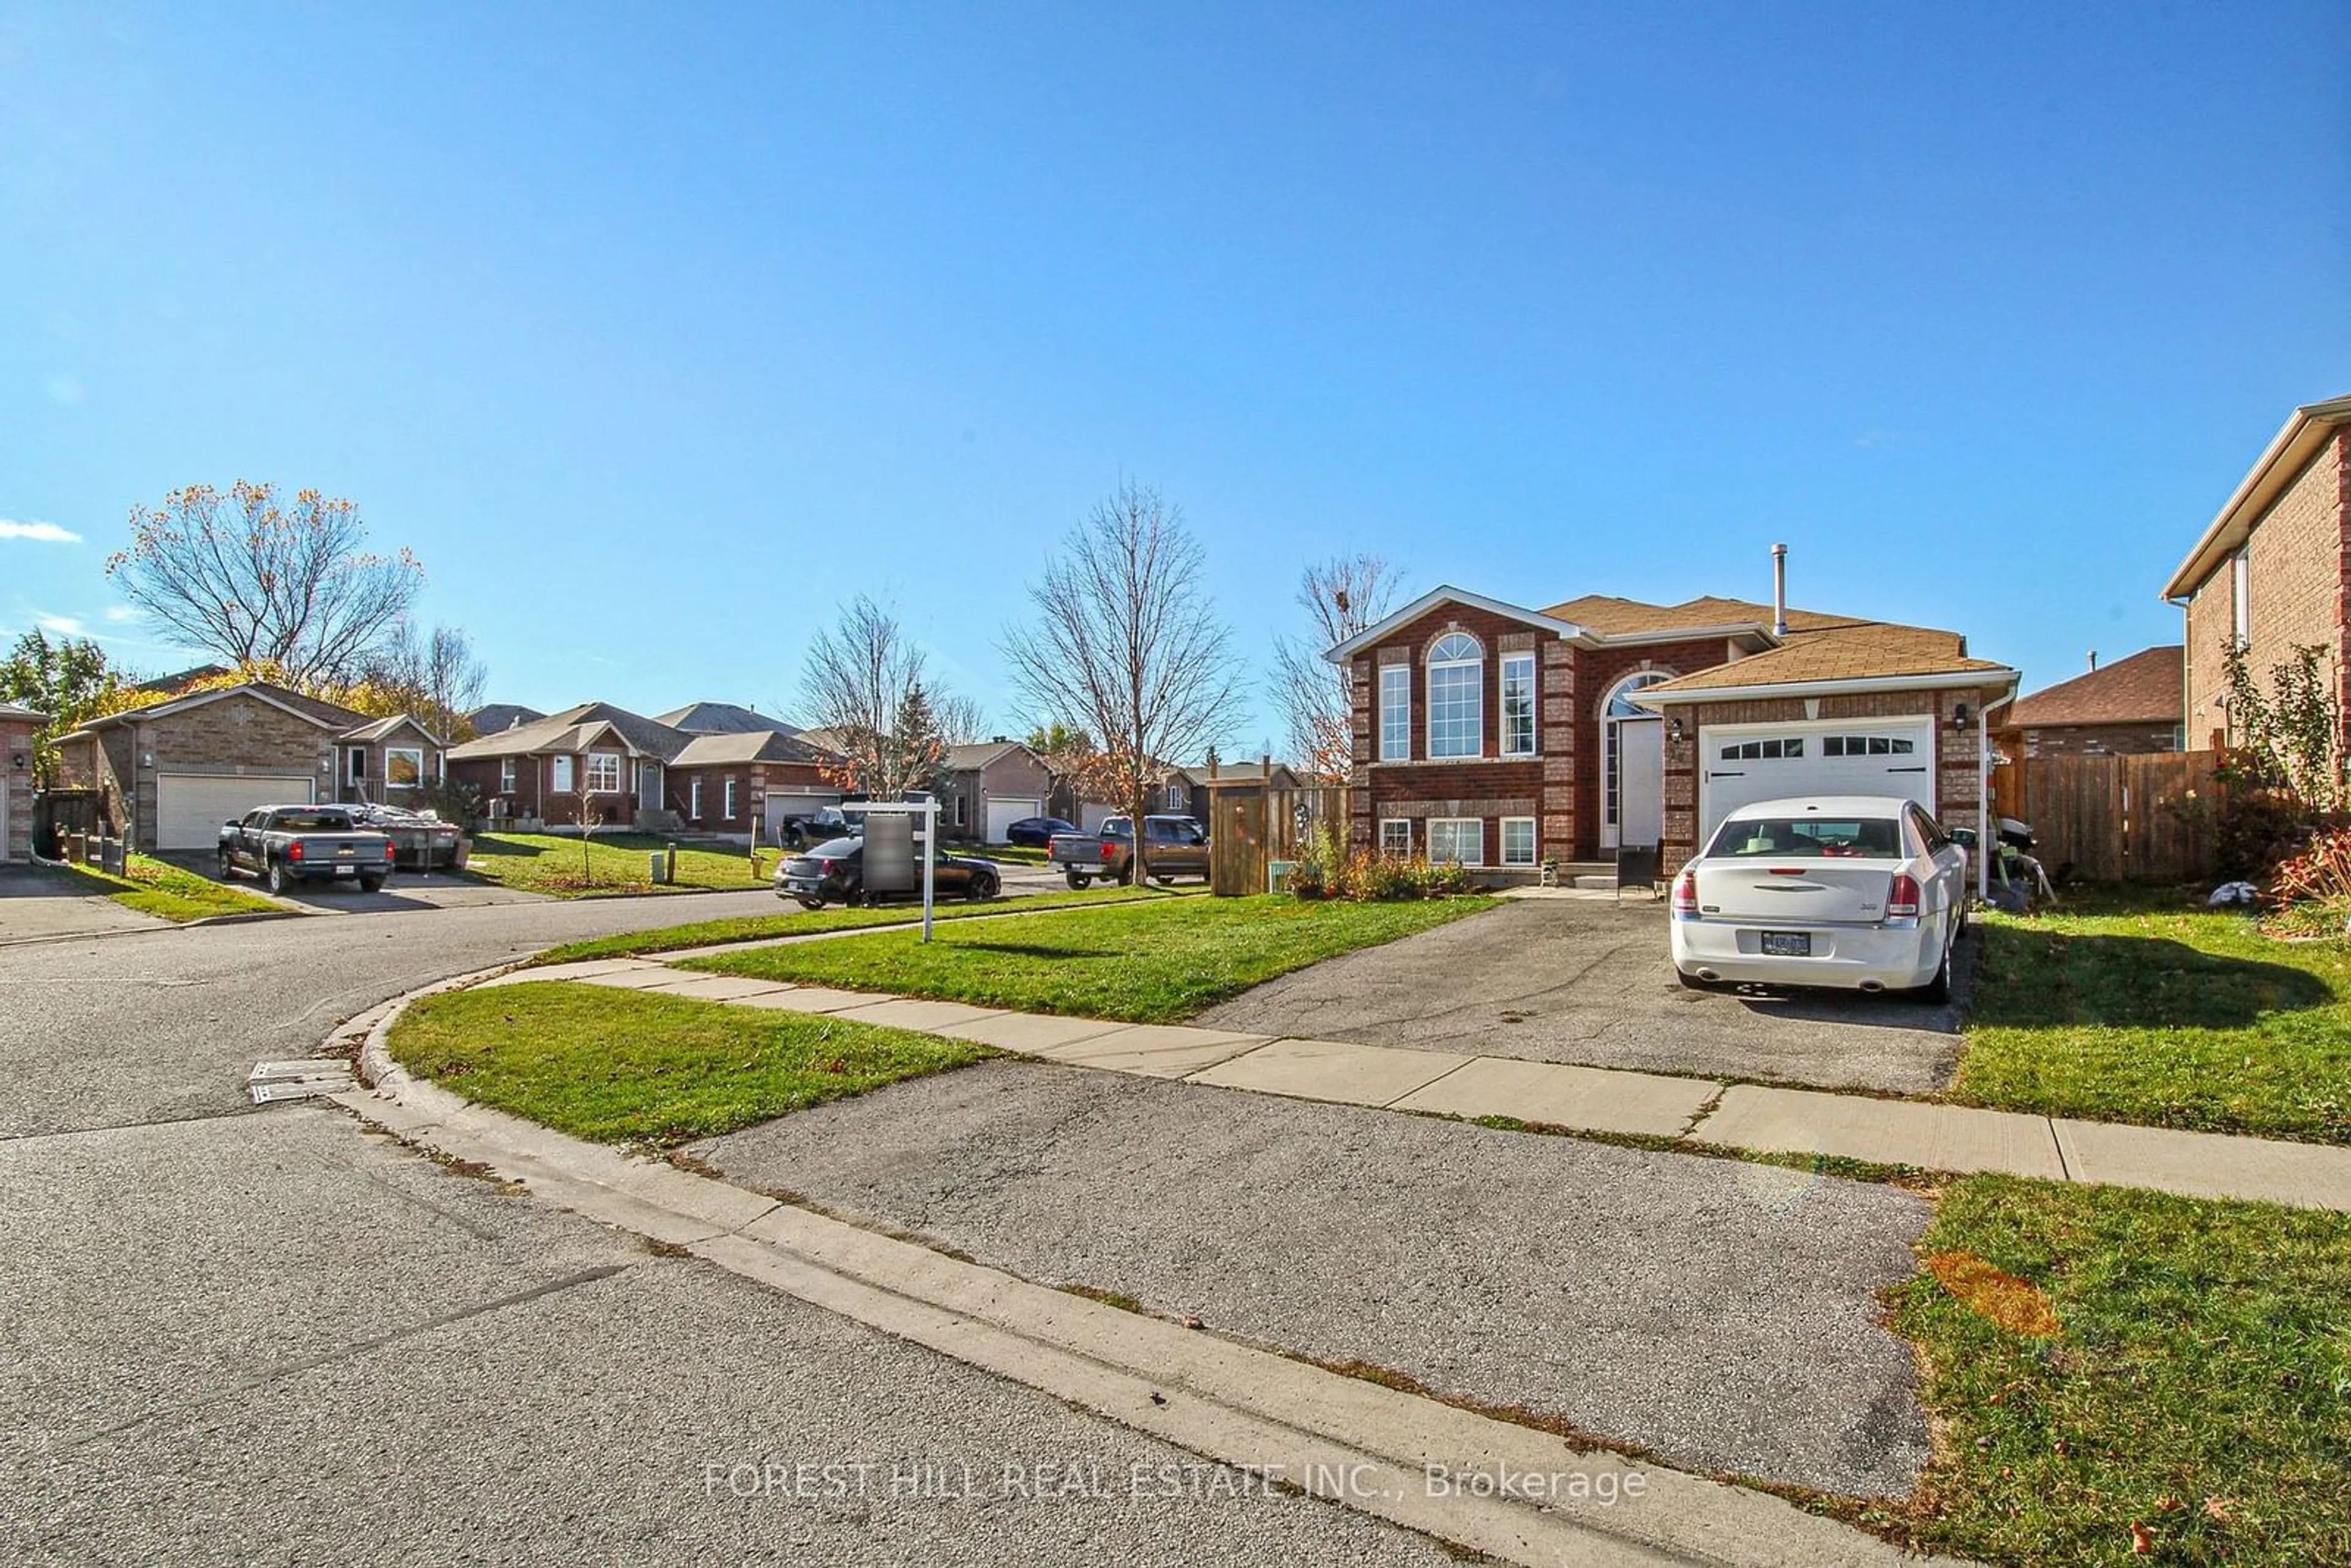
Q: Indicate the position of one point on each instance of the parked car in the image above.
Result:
(418, 842)
(834, 872)
(1172, 847)
(1856, 891)
(287, 844)
(1037, 833)
(817, 827)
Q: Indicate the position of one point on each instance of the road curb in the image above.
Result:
(1343, 1439)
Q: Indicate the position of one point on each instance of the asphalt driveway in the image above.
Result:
(1590, 981)
(1723, 1314)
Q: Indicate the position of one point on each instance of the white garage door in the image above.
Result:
(778, 807)
(1003, 810)
(1092, 814)
(1739, 763)
(190, 809)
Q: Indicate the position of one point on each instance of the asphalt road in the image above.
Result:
(264, 1335)
(1591, 981)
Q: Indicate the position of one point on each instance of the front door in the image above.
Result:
(1640, 780)
(649, 786)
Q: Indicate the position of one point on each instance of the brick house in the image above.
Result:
(1504, 736)
(2130, 706)
(987, 785)
(641, 773)
(170, 774)
(2272, 570)
(17, 728)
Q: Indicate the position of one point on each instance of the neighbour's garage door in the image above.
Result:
(1741, 763)
(1003, 810)
(190, 808)
(1095, 813)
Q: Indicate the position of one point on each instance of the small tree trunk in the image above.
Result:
(1135, 860)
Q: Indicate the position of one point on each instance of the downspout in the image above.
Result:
(1987, 824)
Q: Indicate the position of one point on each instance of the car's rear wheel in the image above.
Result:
(982, 888)
(1937, 991)
(279, 879)
(811, 904)
(371, 884)
(1077, 881)
(1126, 874)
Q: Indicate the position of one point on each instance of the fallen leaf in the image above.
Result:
(2142, 1542)
(2217, 1509)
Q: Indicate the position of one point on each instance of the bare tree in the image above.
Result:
(591, 816)
(959, 718)
(293, 588)
(1125, 644)
(862, 675)
(435, 678)
(1341, 596)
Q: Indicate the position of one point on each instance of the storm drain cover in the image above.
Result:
(274, 1081)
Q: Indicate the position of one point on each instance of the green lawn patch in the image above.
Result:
(613, 863)
(1009, 854)
(1141, 963)
(2177, 1366)
(169, 893)
(2150, 1010)
(625, 1067)
(799, 922)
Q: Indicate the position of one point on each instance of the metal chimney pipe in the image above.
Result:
(2094, 661)
(1779, 590)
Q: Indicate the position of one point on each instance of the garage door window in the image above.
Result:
(1754, 750)
(1866, 746)
(1460, 841)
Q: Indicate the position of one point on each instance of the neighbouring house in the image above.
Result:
(2272, 570)
(167, 776)
(17, 728)
(722, 718)
(1184, 792)
(2130, 706)
(491, 717)
(989, 786)
(1501, 735)
(639, 772)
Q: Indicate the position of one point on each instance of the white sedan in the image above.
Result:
(1863, 891)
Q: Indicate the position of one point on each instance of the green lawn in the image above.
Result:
(2147, 1008)
(799, 922)
(615, 863)
(1142, 963)
(167, 891)
(2180, 1365)
(621, 1066)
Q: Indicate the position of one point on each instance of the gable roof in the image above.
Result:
(972, 758)
(309, 710)
(25, 715)
(1845, 654)
(577, 729)
(382, 729)
(2142, 689)
(1610, 617)
(1231, 772)
(493, 716)
(2306, 429)
(744, 746)
(722, 718)
(1445, 593)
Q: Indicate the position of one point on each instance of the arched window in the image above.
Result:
(1457, 689)
(1618, 707)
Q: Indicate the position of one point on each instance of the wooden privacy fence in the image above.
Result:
(1250, 827)
(2120, 818)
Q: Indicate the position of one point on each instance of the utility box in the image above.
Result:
(657, 868)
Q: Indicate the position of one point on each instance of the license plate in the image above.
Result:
(1787, 944)
(347, 870)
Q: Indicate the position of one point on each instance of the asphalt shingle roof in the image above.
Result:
(2142, 689)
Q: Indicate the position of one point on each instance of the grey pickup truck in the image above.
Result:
(1172, 847)
(287, 844)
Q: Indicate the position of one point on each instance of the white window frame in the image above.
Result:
(2240, 596)
(1612, 746)
(1535, 842)
(509, 775)
(598, 769)
(1472, 740)
(415, 751)
(559, 774)
(1396, 713)
(1454, 828)
(355, 765)
(1510, 662)
(728, 797)
(693, 799)
(1401, 830)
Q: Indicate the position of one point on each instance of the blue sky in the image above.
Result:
(656, 330)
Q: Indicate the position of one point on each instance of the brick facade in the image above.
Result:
(237, 735)
(15, 788)
(2298, 580)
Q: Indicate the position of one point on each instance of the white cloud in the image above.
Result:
(63, 625)
(42, 533)
(118, 613)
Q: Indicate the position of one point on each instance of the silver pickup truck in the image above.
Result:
(1171, 846)
(287, 844)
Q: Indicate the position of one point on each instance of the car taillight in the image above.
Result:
(293, 851)
(1106, 852)
(1902, 898)
(824, 867)
(1686, 896)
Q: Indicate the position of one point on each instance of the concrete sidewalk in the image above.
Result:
(1698, 1110)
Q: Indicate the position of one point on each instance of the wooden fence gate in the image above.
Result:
(1251, 827)
(2120, 818)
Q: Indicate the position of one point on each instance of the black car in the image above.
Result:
(830, 823)
(834, 872)
(1036, 832)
